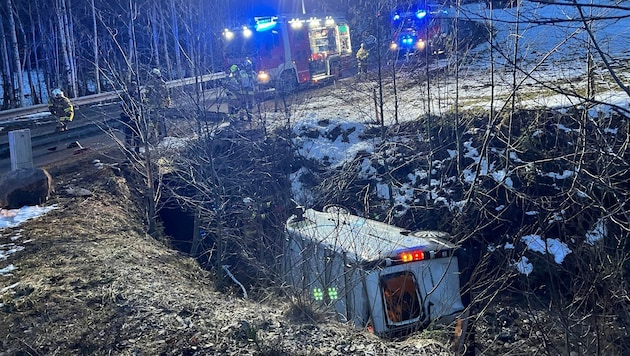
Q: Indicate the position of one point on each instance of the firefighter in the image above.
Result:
(233, 86)
(233, 83)
(248, 83)
(362, 58)
(158, 99)
(241, 85)
(61, 107)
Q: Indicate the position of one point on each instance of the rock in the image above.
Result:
(25, 186)
(78, 192)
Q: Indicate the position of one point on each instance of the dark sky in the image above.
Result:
(250, 8)
(266, 7)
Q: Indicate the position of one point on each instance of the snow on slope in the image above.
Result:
(551, 55)
(552, 46)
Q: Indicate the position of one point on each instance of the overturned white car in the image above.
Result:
(371, 273)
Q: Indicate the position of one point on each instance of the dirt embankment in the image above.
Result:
(88, 280)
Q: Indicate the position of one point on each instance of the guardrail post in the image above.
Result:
(20, 149)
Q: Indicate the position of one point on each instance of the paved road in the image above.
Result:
(45, 126)
(45, 156)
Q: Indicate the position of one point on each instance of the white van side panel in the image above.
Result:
(294, 264)
(319, 270)
(335, 282)
(375, 298)
(356, 302)
(439, 283)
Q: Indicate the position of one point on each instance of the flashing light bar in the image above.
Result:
(296, 23)
(421, 14)
(411, 256)
(329, 21)
(407, 41)
(265, 23)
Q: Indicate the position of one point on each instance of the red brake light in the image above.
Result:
(410, 256)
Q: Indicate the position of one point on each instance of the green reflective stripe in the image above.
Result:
(318, 294)
(332, 293)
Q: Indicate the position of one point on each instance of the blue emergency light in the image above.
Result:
(407, 41)
(265, 24)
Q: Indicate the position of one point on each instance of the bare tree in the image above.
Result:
(17, 65)
(97, 69)
(7, 78)
(176, 42)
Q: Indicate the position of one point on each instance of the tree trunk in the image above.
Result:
(8, 94)
(193, 42)
(176, 44)
(71, 48)
(38, 71)
(16, 54)
(131, 50)
(52, 55)
(458, 124)
(155, 38)
(165, 43)
(97, 70)
(62, 32)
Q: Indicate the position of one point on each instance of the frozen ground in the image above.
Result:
(550, 70)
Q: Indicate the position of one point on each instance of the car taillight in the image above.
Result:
(411, 256)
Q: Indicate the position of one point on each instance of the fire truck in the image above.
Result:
(287, 51)
(417, 28)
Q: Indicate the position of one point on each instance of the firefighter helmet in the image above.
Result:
(57, 93)
(156, 71)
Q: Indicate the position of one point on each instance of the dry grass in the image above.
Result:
(90, 281)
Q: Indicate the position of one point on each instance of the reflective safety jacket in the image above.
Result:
(62, 108)
(157, 95)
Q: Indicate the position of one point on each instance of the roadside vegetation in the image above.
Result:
(535, 194)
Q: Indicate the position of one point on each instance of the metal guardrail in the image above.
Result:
(52, 137)
(22, 113)
(195, 80)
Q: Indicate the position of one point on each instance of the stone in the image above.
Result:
(25, 187)
(78, 192)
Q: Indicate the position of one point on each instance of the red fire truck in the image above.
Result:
(287, 51)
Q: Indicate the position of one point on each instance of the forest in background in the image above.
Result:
(86, 47)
